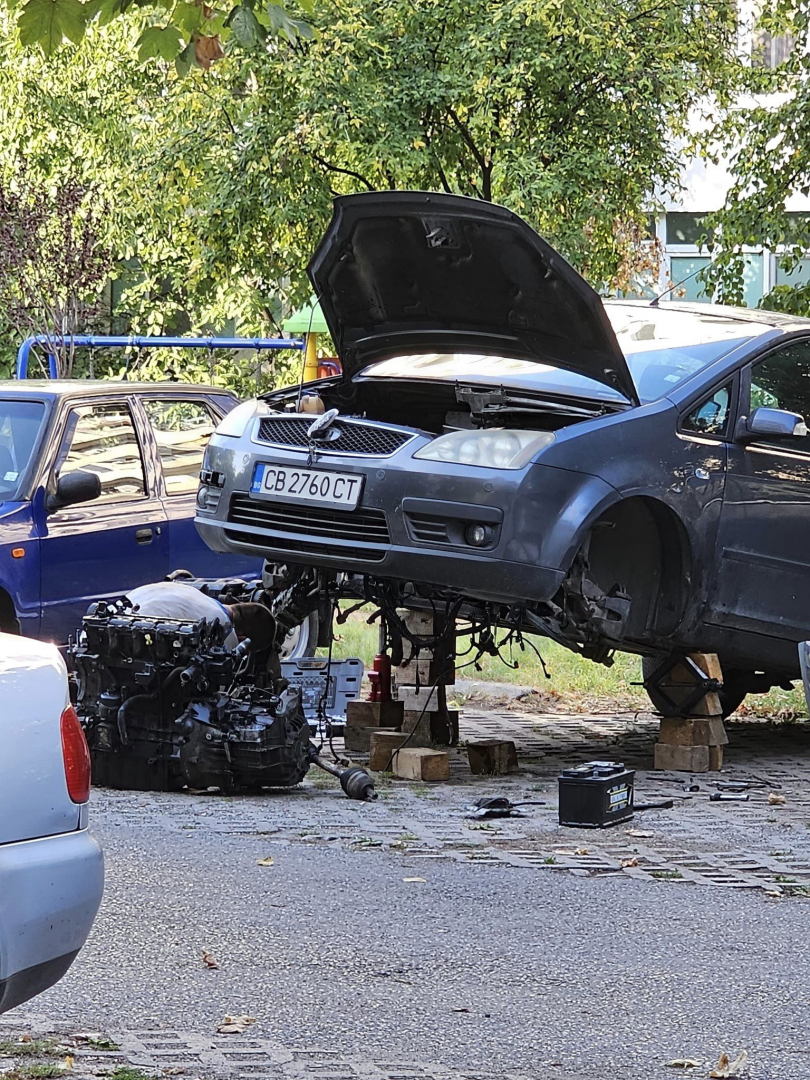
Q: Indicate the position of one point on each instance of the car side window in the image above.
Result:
(782, 381)
(182, 430)
(711, 416)
(101, 439)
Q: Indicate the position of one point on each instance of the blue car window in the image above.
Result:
(102, 439)
(20, 423)
(182, 430)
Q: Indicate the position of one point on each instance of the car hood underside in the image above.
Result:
(414, 272)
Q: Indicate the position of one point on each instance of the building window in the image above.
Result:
(687, 229)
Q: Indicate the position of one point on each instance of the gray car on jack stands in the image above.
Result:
(617, 475)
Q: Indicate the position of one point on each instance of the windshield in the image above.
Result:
(662, 348)
(20, 422)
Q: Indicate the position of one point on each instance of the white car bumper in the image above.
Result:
(50, 891)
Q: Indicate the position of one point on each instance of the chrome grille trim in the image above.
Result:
(358, 438)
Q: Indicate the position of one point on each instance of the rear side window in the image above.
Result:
(101, 439)
(711, 416)
(182, 430)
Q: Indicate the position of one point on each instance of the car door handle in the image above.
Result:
(143, 536)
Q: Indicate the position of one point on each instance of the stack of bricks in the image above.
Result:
(694, 743)
(422, 686)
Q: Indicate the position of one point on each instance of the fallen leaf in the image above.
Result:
(581, 851)
(68, 1061)
(25, 1038)
(776, 800)
(684, 1063)
(629, 862)
(235, 1025)
(418, 880)
(640, 832)
(776, 894)
(726, 1069)
(268, 861)
(209, 960)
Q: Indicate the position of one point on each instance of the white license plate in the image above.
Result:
(291, 484)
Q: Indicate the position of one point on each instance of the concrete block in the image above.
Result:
(694, 759)
(374, 714)
(434, 728)
(681, 732)
(426, 671)
(382, 745)
(419, 763)
(415, 700)
(494, 757)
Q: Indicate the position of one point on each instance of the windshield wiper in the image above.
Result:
(482, 402)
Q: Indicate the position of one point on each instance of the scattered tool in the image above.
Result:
(727, 796)
(664, 804)
(499, 807)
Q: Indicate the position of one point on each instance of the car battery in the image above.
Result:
(596, 794)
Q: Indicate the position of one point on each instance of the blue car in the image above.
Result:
(98, 481)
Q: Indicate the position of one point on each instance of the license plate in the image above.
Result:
(290, 484)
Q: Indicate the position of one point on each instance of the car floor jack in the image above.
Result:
(379, 712)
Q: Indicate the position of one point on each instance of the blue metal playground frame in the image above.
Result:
(149, 342)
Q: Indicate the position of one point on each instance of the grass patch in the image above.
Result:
(126, 1072)
(33, 1048)
(576, 684)
(37, 1072)
(666, 875)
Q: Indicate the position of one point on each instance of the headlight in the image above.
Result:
(498, 448)
(237, 420)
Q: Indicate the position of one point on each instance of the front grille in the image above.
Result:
(311, 549)
(354, 437)
(431, 530)
(363, 526)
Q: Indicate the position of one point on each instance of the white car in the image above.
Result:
(51, 869)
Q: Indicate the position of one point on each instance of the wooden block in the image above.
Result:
(382, 745)
(682, 732)
(680, 681)
(418, 763)
(715, 758)
(358, 739)
(439, 728)
(493, 757)
(374, 714)
(693, 759)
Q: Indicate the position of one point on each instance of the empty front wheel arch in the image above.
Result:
(9, 623)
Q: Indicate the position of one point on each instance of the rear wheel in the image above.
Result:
(302, 640)
(736, 684)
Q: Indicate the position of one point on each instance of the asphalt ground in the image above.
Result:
(554, 966)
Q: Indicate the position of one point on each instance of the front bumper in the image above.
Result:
(410, 522)
(50, 891)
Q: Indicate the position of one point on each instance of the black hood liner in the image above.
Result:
(401, 272)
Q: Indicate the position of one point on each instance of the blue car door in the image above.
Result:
(100, 549)
(181, 425)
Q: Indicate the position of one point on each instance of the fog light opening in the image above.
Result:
(476, 535)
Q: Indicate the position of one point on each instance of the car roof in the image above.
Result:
(56, 388)
(779, 320)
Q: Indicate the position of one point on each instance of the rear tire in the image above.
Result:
(302, 640)
(731, 694)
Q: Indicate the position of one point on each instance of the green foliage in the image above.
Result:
(770, 162)
(219, 183)
(184, 32)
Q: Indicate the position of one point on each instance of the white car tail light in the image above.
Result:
(77, 757)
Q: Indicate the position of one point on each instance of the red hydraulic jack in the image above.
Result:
(380, 675)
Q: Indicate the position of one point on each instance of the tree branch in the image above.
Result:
(337, 168)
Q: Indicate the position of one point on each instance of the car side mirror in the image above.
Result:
(74, 487)
(771, 424)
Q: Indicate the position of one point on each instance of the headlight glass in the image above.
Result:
(235, 423)
(497, 448)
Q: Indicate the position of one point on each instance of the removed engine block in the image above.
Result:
(165, 705)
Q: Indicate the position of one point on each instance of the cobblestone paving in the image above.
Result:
(163, 1052)
(753, 844)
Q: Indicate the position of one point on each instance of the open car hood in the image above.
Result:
(401, 272)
